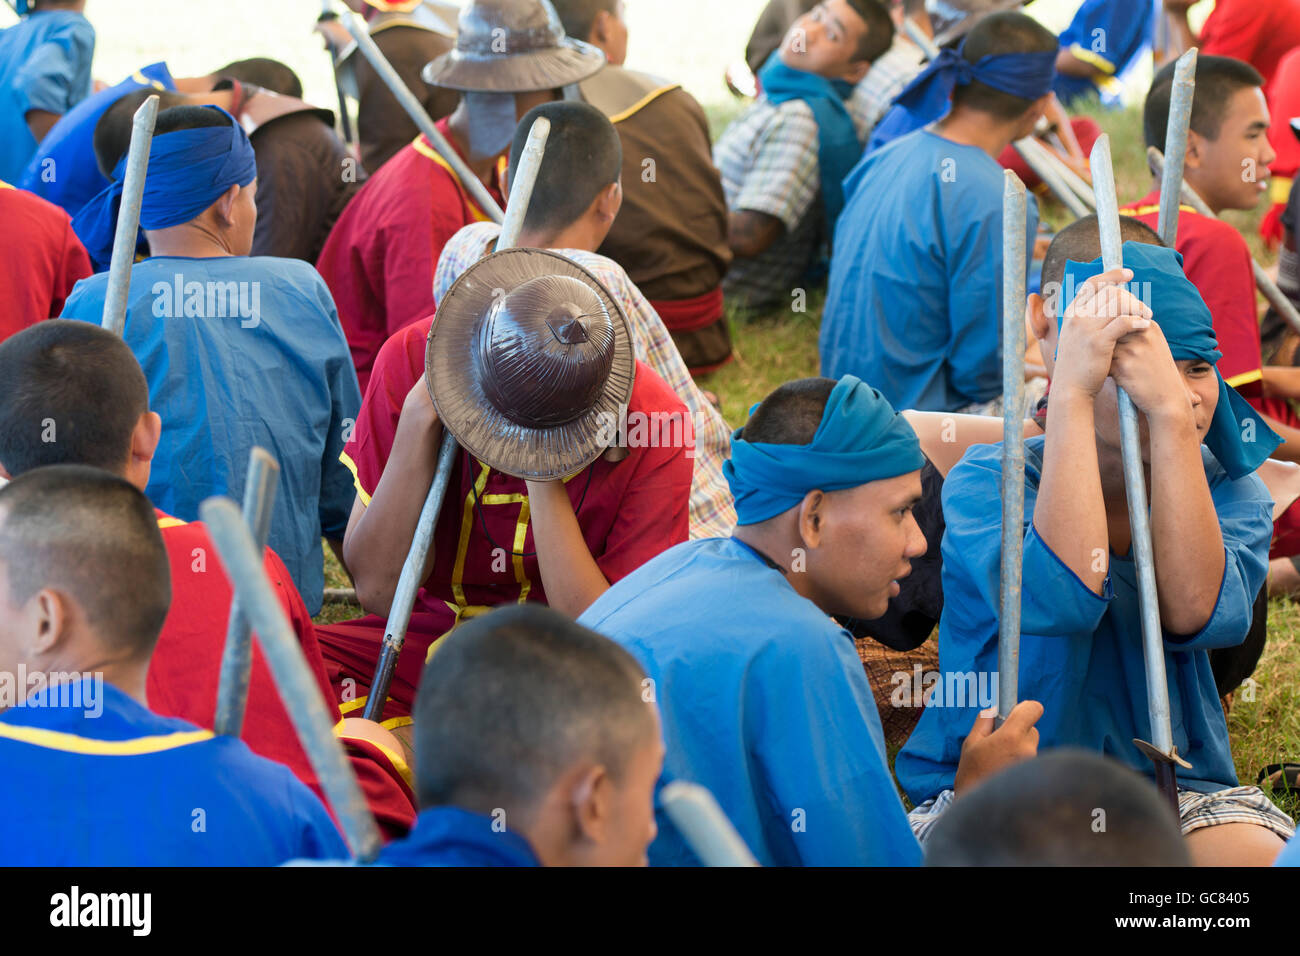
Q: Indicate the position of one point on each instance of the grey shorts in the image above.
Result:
(1196, 810)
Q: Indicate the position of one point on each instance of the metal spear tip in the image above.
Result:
(1011, 184)
(1185, 67)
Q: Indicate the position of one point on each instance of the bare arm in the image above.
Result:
(379, 535)
(1184, 38)
(1071, 65)
(751, 233)
(1281, 381)
(40, 122)
(570, 574)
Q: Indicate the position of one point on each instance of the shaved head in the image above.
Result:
(792, 414)
(1080, 241)
(91, 536)
(512, 699)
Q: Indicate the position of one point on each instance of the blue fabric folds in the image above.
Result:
(1238, 436)
(860, 439)
(925, 99)
(838, 146)
(188, 171)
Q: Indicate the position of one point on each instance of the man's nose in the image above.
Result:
(917, 545)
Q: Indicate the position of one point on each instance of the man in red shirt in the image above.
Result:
(1228, 136)
(74, 394)
(1260, 32)
(379, 259)
(501, 538)
(41, 259)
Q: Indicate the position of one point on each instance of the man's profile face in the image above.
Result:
(825, 40)
(633, 825)
(868, 540)
(1232, 172)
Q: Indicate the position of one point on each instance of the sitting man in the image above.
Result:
(1081, 648)
(1227, 135)
(409, 33)
(793, 147)
(305, 175)
(560, 486)
(44, 72)
(763, 697)
(84, 592)
(568, 699)
(41, 259)
(238, 352)
(1099, 44)
(671, 235)
(379, 258)
(74, 394)
(914, 302)
(576, 198)
(1064, 808)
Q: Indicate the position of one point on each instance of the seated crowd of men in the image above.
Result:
(606, 607)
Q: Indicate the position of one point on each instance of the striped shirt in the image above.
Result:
(712, 512)
(768, 161)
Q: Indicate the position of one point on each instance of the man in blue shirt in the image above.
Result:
(1100, 43)
(1211, 520)
(96, 778)
(238, 351)
(44, 72)
(763, 697)
(536, 744)
(914, 302)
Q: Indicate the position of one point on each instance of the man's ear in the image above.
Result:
(591, 798)
(856, 72)
(144, 440)
(600, 31)
(225, 205)
(812, 518)
(1040, 323)
(609, 201)
(51, 619)
(1195, 146)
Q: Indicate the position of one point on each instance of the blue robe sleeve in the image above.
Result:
(1246, 523)
(1054, 601)
(56, 77)
(336, 487)
(318, 837)
(815, 734)
(1105, 33)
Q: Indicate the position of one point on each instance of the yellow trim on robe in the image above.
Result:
(351, 466)
(170, 522)
(397, 760)
(348, 706)
(1134, 211)
(145, 81)
(71, 743)
(1245, 378)
(5, 185)
(1279, 190)
(1094, 60)
(643, 102)
(424, 149)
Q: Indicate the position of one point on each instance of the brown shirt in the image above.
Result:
(671, 234)
(302, 180)
(382, 125)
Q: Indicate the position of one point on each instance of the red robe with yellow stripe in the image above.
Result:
(185, 670)
(628, 511)
(1217, 261)
(380, 256)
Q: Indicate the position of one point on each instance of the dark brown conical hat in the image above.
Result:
(529, 360)
(512, 46)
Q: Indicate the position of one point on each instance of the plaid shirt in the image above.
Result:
(873, 96)
(712, 512)
(768, 161)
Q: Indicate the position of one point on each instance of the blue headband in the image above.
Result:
(188, 171)
(1238, 436)
(860, 439)
(1026, 75)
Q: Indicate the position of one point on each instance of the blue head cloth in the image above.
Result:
(1238, 436)
(860, 439)
(188, 171)
(838, 146)
(925, 99)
